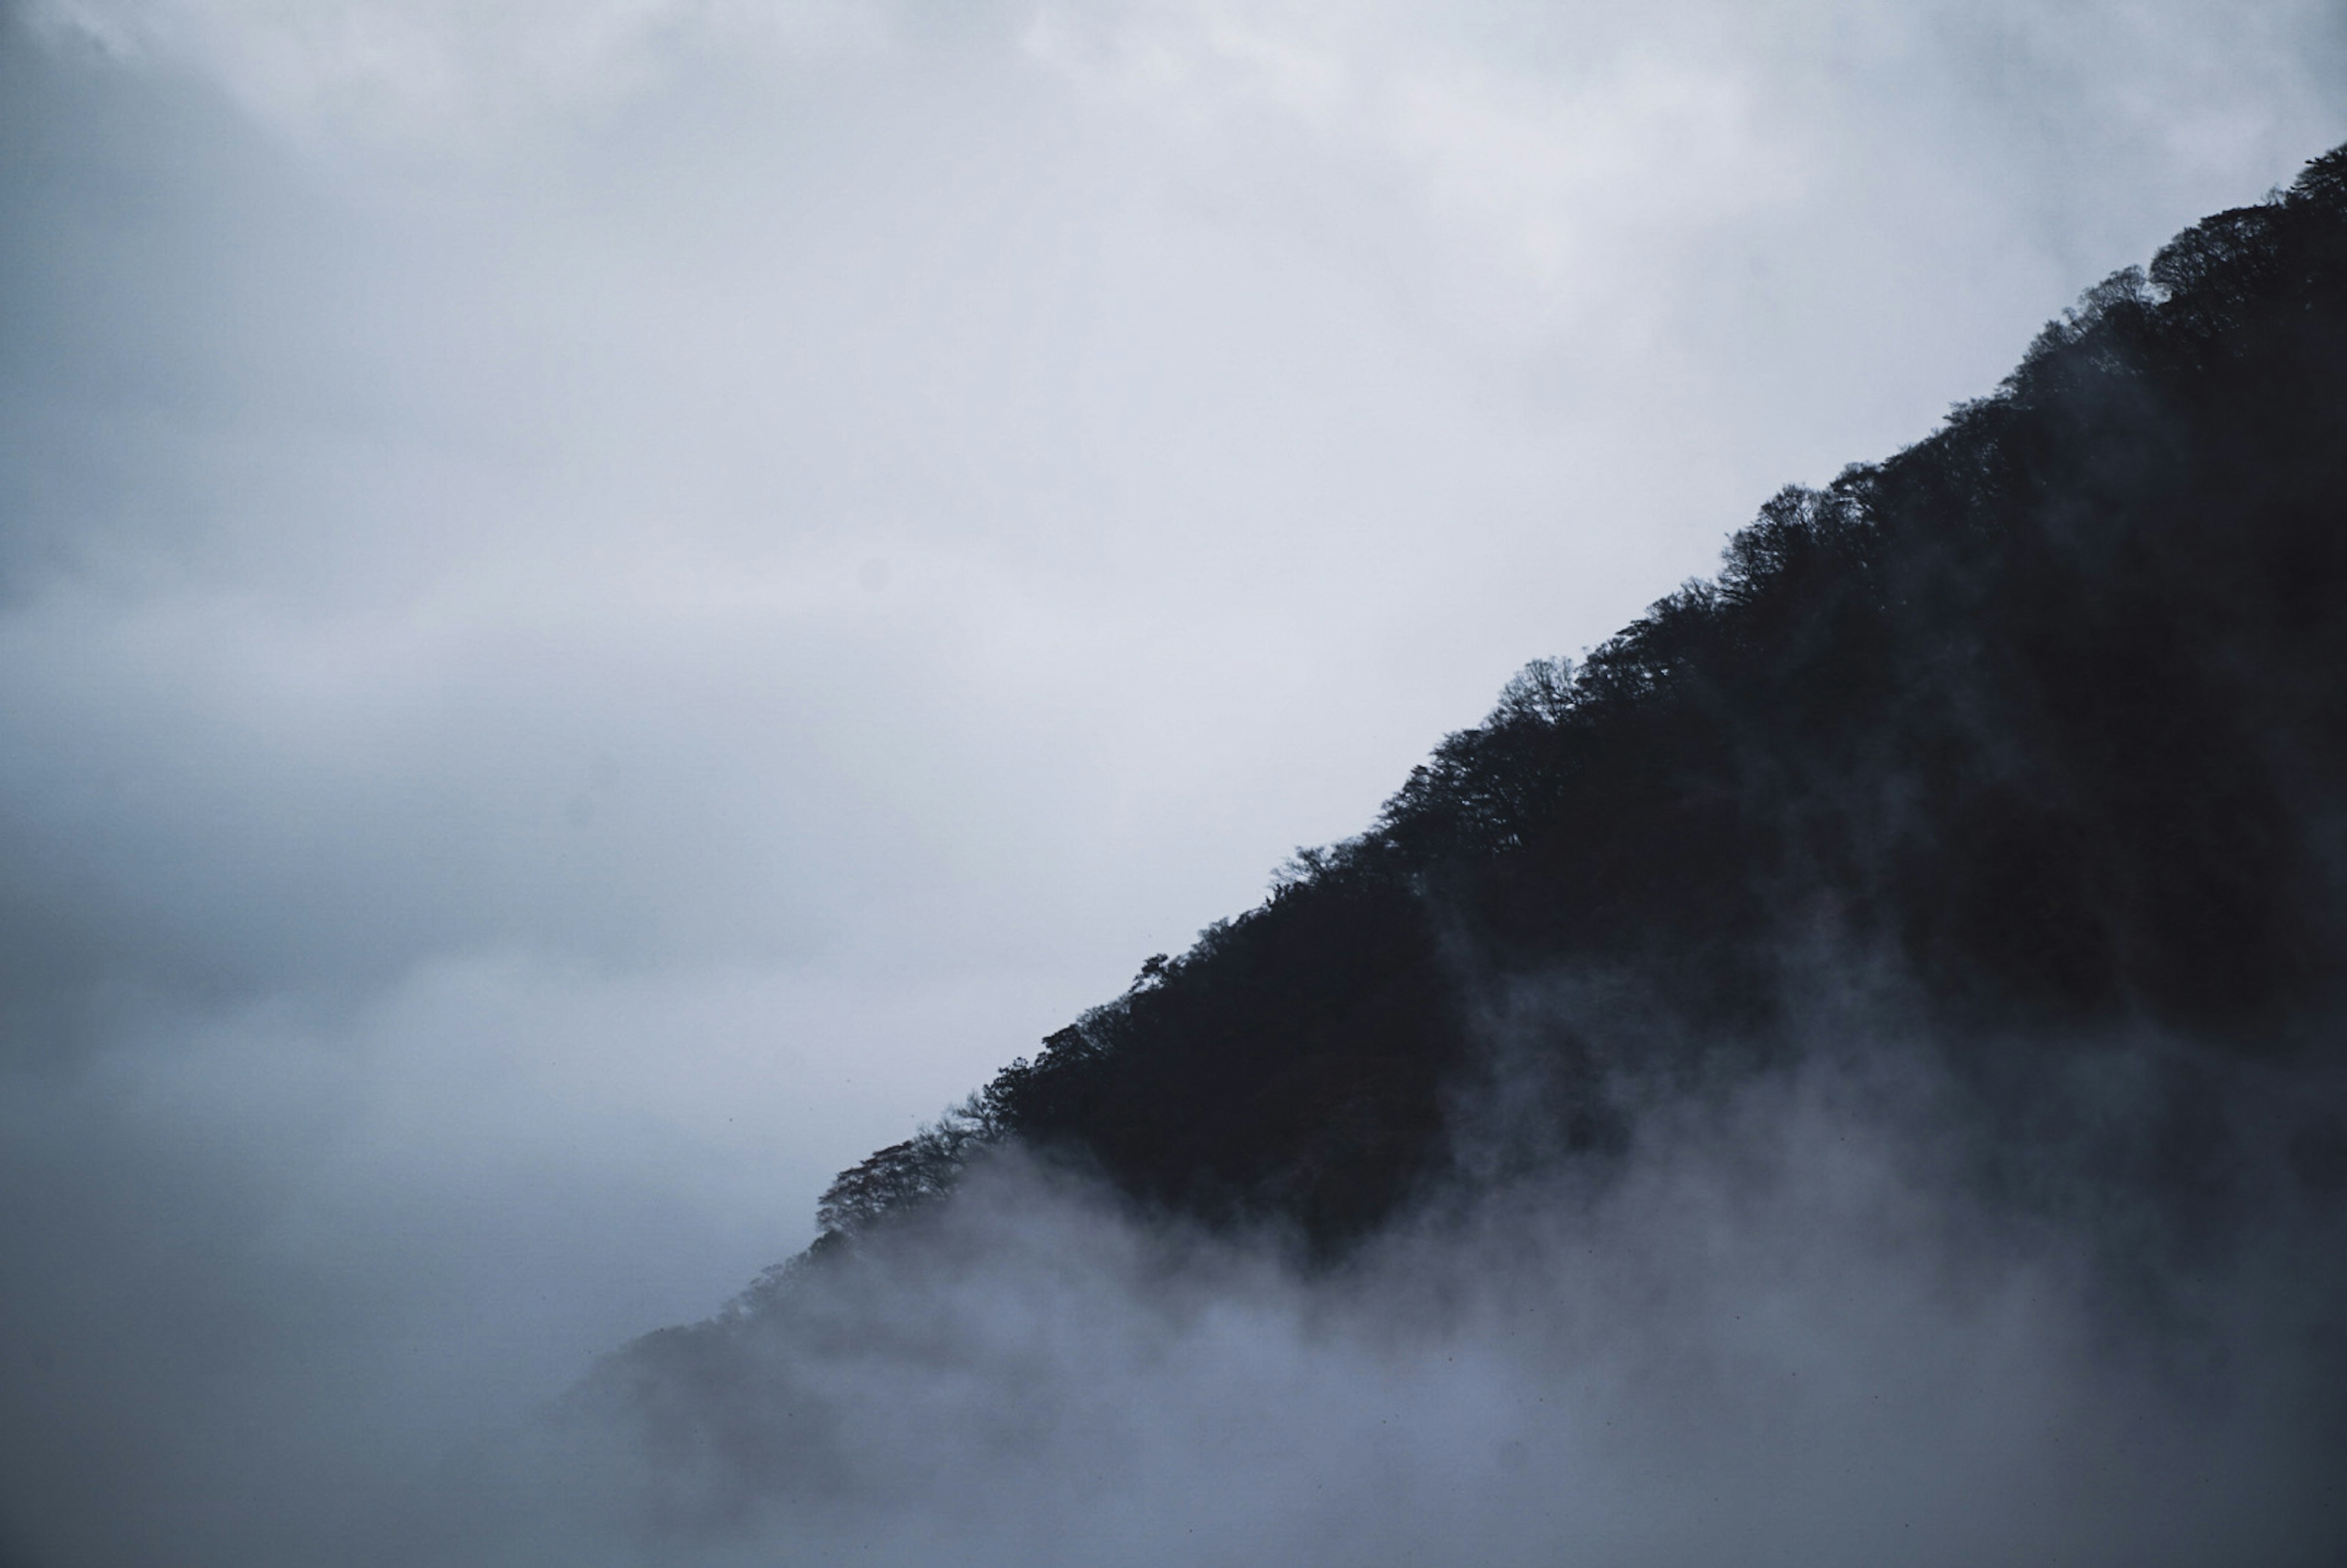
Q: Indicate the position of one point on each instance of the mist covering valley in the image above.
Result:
(1846, 1069)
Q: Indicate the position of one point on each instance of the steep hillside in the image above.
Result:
(2038, 728)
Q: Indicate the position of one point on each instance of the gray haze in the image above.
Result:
(1778, 1338)
(602, 606)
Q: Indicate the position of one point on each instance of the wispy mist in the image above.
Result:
(602, 607)
(1787, 1330)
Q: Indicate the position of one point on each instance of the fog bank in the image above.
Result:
(602, 608)
(1790, 1328)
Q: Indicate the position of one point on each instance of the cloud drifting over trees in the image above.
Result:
(600, 607)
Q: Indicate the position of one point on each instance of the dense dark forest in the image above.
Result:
(2035, 734)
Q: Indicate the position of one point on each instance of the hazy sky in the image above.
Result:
(604, 605)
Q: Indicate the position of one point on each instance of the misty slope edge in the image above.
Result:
(2045, 716)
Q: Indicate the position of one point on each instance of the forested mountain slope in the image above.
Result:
(2039, 727)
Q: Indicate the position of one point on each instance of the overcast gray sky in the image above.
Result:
(602, 606)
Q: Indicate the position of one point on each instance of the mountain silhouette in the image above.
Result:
(2035, 732)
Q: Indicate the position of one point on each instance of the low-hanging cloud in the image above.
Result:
(1789, 1327)
(601, 607)
(1791, 1324)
